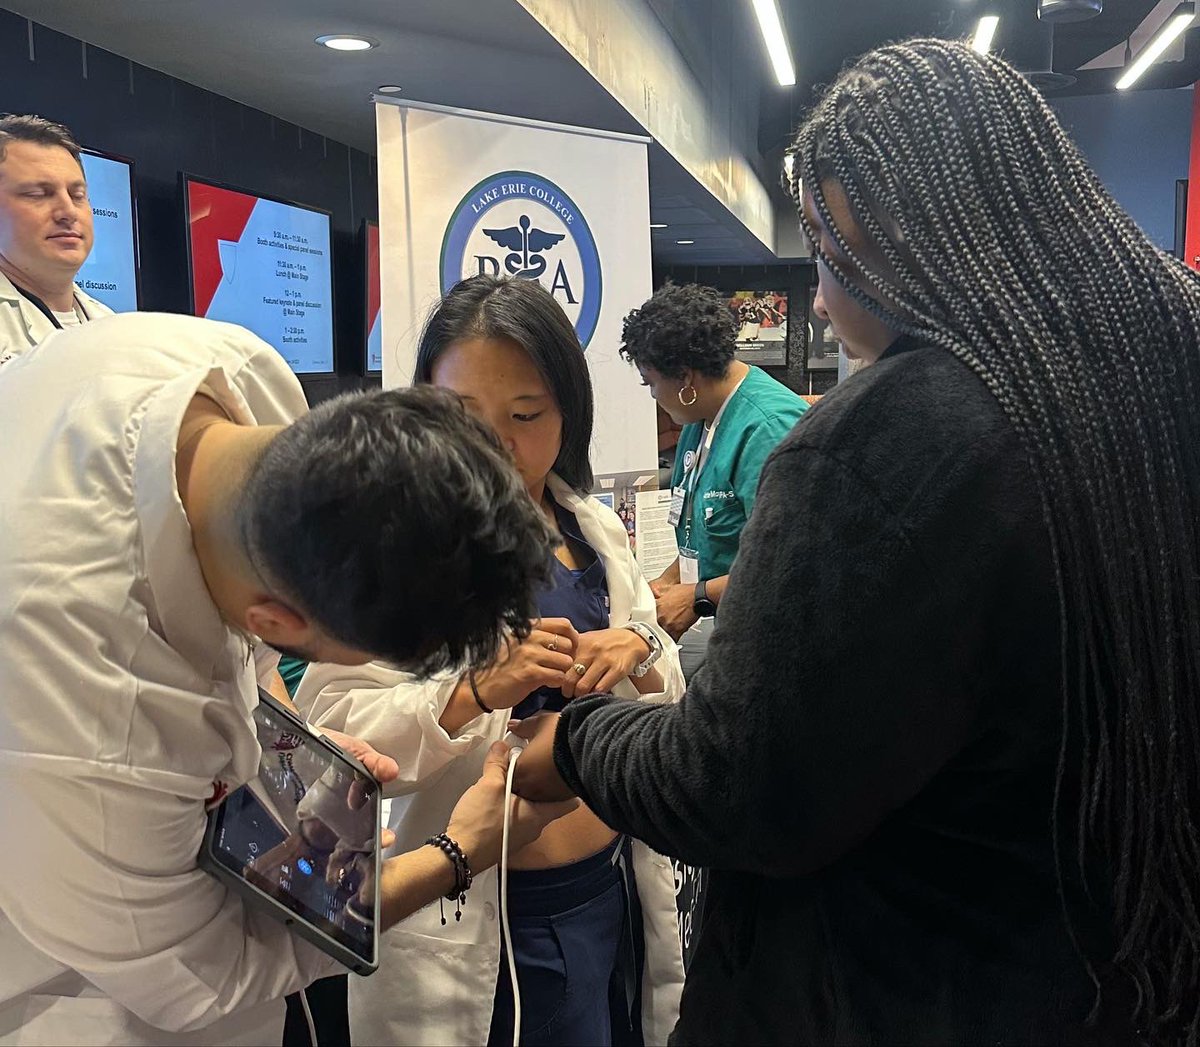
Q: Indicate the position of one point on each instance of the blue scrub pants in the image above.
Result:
(578, 942)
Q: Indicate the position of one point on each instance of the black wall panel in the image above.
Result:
(166, 126)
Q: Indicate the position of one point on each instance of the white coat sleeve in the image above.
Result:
(102, 878)
(644, 611)
(394, 711)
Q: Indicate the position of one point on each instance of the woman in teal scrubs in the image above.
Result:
(682, 341)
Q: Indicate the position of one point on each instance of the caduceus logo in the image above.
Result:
(520, 224)
(526, 260)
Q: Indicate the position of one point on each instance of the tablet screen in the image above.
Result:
(305, 831)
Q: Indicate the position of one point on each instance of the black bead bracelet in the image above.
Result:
(463, 878)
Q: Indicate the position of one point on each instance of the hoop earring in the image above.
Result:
(687, 403)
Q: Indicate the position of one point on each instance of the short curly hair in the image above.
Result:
(682, 327)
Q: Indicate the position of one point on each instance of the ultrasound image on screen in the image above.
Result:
(305, 831)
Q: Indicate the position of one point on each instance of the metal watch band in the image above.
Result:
(655, 644)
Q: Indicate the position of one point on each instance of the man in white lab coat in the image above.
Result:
(45, 234)
(166, 501)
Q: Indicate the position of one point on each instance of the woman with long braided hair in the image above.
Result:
(943, 757)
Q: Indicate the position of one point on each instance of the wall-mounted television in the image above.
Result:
(264, 263)
(373, 326)
(110, 273)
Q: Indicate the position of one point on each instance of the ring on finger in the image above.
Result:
(579, 668)
(552, 645)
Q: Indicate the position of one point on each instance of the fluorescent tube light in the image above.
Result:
(985, 33)
(1183, 17)
(772, 30)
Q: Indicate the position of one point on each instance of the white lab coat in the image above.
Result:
(23, 325)
(435, 984)
(123, 697)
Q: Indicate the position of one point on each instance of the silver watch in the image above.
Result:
(656, 648)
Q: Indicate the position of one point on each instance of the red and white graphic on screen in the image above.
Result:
(373, 292)
(214, 214)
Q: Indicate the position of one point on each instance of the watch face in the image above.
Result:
(704, 608)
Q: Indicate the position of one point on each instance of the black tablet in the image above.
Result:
(301, 841)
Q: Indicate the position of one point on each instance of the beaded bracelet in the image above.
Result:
(463, 878)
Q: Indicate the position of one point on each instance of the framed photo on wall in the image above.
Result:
(823, 349)
(762, 319)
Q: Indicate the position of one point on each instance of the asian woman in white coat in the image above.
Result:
(593, 915)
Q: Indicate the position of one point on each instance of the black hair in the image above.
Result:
(396, 521)
(997, 242)
(681, 327)
(36, 129)
(526, 313)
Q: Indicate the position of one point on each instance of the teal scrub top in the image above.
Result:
(292, 671)
(758, 415)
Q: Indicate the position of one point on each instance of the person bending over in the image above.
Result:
(169, 504)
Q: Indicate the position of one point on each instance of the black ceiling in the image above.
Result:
(826, 34)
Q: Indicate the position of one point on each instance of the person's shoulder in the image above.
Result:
(140, 356)
(156, 339)
(760, 387)
(923, 395)
(765, 396)
(924, 434)
(768, 405)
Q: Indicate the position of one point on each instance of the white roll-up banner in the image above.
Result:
(462, 193)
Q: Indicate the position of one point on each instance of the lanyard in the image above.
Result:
(45, 310)
(692, 478)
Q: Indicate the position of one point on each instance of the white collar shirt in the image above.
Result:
(23, 326)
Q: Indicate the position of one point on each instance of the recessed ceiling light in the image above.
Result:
(685, 241)
(658, 225)
(388, 89)
(342, 42)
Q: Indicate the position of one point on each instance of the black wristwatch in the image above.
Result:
(702, 605)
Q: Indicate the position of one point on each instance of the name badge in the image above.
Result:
(689, 567)
(676, 511)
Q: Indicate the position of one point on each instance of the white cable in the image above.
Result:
(312, 1026)
(508, 945)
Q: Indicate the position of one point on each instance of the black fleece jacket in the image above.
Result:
(867, 760)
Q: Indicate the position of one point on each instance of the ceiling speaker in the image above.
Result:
(1035, 59)
(1069, 10)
